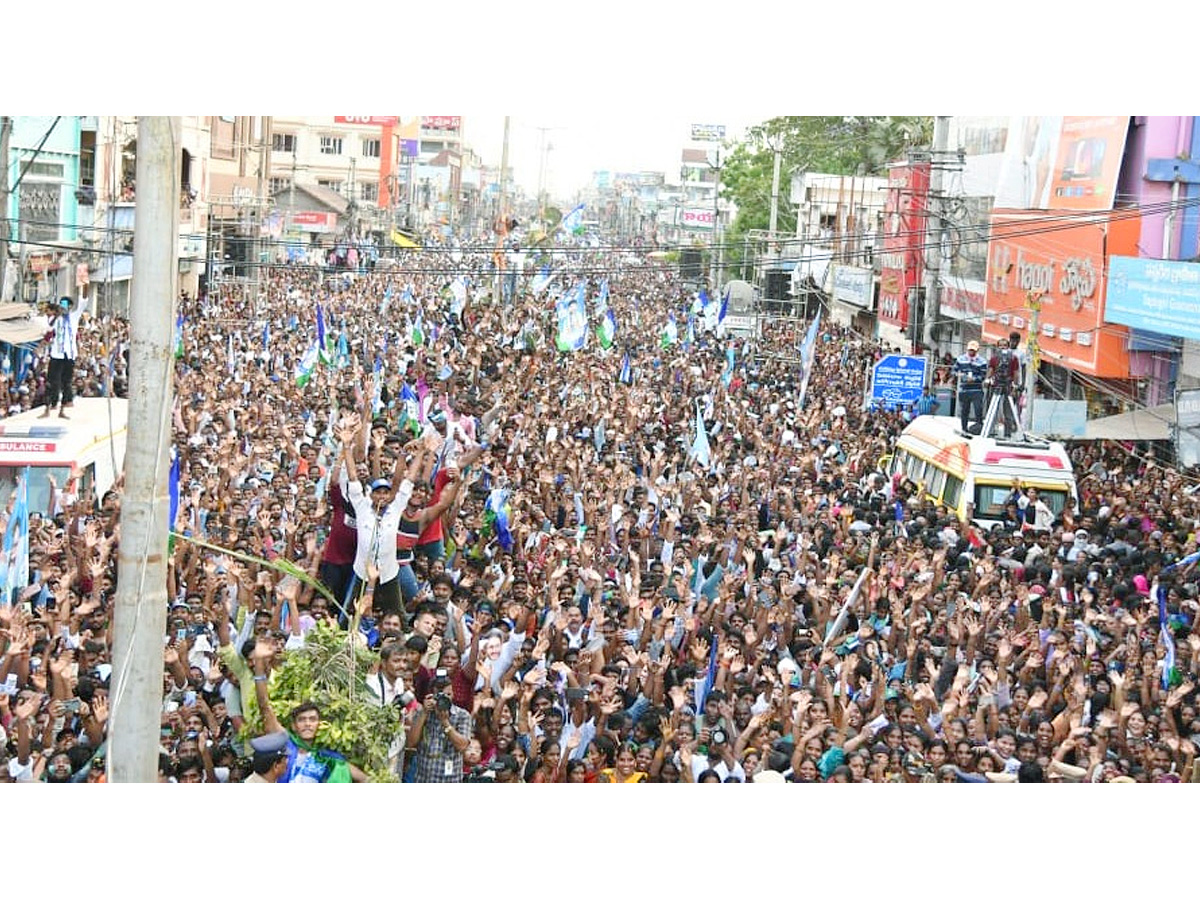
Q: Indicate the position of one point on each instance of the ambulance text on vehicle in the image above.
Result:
(973, 476)
(88, 447)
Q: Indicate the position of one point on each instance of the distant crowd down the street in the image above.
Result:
(580, 533)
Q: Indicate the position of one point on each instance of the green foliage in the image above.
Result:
(321, 672)
(837, 145)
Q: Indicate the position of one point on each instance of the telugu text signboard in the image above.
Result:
(1159, 295)
(898, 381)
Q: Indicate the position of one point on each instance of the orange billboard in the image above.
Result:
(1090, 150)
(1065, 262)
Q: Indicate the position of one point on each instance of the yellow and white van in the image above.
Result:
(88, 447)
(973, 475)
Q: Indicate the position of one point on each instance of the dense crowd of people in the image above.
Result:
(557, 577)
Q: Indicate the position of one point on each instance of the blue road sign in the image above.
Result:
(898, 381)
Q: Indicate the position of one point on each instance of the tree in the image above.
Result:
(837, 145)
(331, 670)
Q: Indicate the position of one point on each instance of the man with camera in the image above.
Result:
(1004, 378)
(440, 733)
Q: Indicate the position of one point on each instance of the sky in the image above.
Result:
(581, 145)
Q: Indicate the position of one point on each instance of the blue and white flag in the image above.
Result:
(704, 686)
(173, 490)
(1186, 561)
(598, 436)
(626, 376)
(607, 330)
(730, 362)
(377, 387)
(711, 310)
(322, 345)
(572, 222)
(14, 565)
(458, 291)
(1169, 674)
(701, 452)
(602, 300)
(409, 404)
(808, 349)
(266, 336)
(572, 319)
(670, 333)
(690, 336)
(541, 280)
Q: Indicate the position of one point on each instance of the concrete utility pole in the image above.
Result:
(936, 229)
(775, 192)
(141, 603)
(5, 130)
(716, 272)
(498, 294)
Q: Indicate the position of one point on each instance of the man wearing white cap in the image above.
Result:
(971, 372)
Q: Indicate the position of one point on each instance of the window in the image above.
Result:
(43, 169)
(952, 491)
(278, 185)
(989, 500)
(331, 146)
(283, 143)
(371, 147)
(87, 159)
(335, 186)
(937, 478)
(370, 192)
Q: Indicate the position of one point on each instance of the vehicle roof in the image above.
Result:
(942, 433)
(61, 440)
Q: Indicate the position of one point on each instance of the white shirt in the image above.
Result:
(65, 343)
(377, 534)
(701, 764)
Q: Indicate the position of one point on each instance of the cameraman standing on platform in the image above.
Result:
(1004, 378)
(971, 372)
(440, 733)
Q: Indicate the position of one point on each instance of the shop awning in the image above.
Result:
(1153, 423)
(402, 240)
(116, 268)
(22, 331)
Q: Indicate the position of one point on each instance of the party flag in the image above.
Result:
(670, 333)
(626, 376)
(701, 452)
(541, 280)
(308, 362)
(1170, 675)
(607, 330)
(807, 351)
(572, 319)
(14, 566)
(179, 336)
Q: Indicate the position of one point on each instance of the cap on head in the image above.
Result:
(973, 345)
(381, 484)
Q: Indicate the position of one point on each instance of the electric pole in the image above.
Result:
(141, 602)
(5, 129)
(775, 192)
(716, 274)
(935, 235)
(502, 225)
